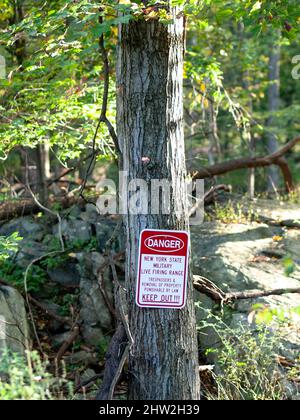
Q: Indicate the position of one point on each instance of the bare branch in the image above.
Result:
(253, 162)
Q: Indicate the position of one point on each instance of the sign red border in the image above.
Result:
(182, 242)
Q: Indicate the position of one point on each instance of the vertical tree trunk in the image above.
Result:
(273, 107)
(251, 141)
(42, 164)
(19, 46)
(211, 129)
(248, 128)
(163, 360)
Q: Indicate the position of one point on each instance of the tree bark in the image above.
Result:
(43, 171)
(19, 46)
(163, 361)
(273, 107)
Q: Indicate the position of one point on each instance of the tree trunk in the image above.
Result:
(43, 169)
(248, 128)
(163, 361)
(274, 103)
(251, 142)
(19, 46)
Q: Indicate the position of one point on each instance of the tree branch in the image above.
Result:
(255, 162)
(208, 288)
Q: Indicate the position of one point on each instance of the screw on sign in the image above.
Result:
(162, 270)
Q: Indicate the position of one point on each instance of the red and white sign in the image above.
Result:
(163, 269)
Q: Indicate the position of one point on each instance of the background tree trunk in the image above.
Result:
(163, 361)
(43, 171)
(19, 46)
(274, 104)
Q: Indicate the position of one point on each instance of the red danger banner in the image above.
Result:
(163, 269)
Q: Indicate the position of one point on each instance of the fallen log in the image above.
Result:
(23, 207)
(45, 308)
(253, 162)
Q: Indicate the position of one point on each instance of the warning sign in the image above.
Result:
(163, 267)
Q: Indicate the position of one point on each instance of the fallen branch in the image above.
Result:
(88, 382)
(253, 162)
(209, 197)
(23, 207)
(69, 170)
(105, 295)
(115, 359)
(290, 223)
(208, 288)
(253, 294)
(70, 340)
(52, 314)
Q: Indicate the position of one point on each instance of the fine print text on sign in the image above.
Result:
(162, 270)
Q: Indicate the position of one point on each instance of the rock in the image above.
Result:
(82, 357)
(276, 210)
(239, 257)
(92, 388)
(91, 214)
(91, 209)
(30, 250)
(74, 230)
(66, 275)
(292, 244)
(104, 228)
(96, 318)
(58, 339)
(74, 212)
(87, 375)
(233, 256)
(14, 329)
(27, 227)
(53, 324)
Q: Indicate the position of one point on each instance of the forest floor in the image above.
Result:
(242, 245)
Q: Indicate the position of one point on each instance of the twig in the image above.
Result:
(46, 209)
(115, 258)
(69, 170)
(124, 317)
(105, 296)
(34, 261)
(114, 235)
(118, 373)
(101, 281)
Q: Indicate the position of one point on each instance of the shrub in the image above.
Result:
(27, 378)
